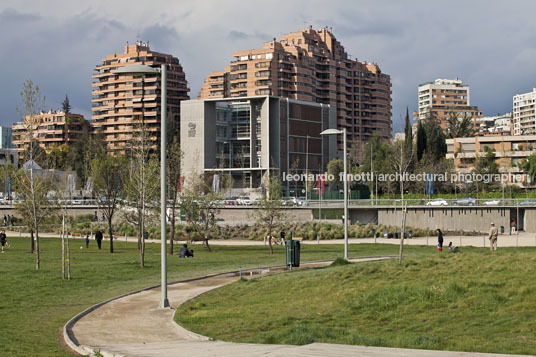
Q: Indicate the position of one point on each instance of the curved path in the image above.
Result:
(133, 325)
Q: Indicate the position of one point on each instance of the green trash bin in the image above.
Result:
(293, 252)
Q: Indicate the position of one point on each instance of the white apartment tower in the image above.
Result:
(442, 93)
(524, 116)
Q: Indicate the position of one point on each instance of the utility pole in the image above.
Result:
(306, 167)
(372, 171)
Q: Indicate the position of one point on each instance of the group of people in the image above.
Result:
(98, 239)
(8, 220)
(492, 237)
(452, 248)
(96, 217)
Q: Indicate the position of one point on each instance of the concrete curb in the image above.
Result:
(71, 341)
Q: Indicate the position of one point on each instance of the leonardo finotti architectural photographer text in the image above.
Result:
(407, 177)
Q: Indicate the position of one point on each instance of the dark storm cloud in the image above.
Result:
(11, 15)
(234, 35)
(162, 38)
(490, 46)
(59, 57)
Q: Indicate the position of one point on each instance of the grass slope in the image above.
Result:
(469, 301)
(34, 305)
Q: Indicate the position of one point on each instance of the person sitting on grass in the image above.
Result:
(185, 252)
(452, 248)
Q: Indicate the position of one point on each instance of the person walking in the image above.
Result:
(98, 238)
(513, 226)
(3, 239)
(439, 240)
(87, 241)
(492, 236)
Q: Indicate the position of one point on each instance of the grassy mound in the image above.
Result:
(34, 305)
(473, 301)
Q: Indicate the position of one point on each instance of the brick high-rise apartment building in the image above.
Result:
(122, 101)
(311, 65)
(52, 128)
(443, 97)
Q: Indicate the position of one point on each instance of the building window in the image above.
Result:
(269, 55)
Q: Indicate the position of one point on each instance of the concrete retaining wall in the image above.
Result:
(448, 218)
(247, 215)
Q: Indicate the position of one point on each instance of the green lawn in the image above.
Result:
(34, 305)
(468, 301)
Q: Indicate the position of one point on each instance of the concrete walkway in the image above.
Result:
(516, 240)
(133, 325)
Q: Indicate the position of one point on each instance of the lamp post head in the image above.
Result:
(136, 69)
(331, 132)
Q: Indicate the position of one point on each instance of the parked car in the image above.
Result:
(230, 201)
(288, 201)
(302, 201)
(465, 201)
(529, 202)
(492, 202)
(244, 200)
(77, 201)
(437, 202)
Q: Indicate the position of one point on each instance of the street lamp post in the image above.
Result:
(143, 69)
(345, 183)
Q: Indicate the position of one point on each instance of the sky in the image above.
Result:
(490, 46)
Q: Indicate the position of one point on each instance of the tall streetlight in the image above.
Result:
(143, 69)
(345, 182)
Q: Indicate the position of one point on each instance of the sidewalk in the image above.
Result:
(504, 240)
(134, 326)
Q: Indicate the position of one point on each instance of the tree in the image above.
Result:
(436, 143)
(107, 173)
(142, 184)
(401, 162)
(66, 106)
(31, 186)
(382, 154)
(57, 157)
(270, 212)
(408, 140)
(460, 128)
(7, 173)
(81, 155)
(421, 141)
(335, 168)
(295, 170)
(529, 167)
(485, 165)
(174, 159)
(200, 203)
(65, 191)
